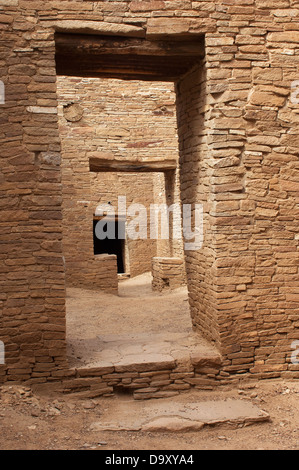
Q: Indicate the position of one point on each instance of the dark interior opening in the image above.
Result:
(111, 247)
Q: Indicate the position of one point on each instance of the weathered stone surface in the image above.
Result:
(73, 112)
(9, 3)
(168, 273)
(151, 5)
(237, 122)
(178, 417)
(98, 27)
(284, 37)
(264, 97)
(108, 140)
(199, 361)
(172, 424)
(157, 27)
(41, 110)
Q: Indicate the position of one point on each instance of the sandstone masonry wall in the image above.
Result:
(168, 273)
(128, 121)
(239, 157)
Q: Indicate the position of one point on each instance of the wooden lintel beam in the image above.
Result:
(125, 58)
(115, 45)
(160, 166)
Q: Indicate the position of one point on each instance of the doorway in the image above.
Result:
(111, 246)
(147, 64)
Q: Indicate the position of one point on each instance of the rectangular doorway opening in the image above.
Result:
(130, 129)
(111, 246)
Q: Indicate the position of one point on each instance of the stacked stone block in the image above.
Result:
(126, 121)
(238, 132)
(147, 380)
(168, 273)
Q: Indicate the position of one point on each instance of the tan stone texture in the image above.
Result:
(235, 106)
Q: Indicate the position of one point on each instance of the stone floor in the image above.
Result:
(175, 416)
(136, 327)
(146, 348)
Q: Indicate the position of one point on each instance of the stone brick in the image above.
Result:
(95, 27)
(237, 124)
(9, 3)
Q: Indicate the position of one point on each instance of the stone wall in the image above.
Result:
(162, 379)
(121, 120)
(168, 273)
(239, 157)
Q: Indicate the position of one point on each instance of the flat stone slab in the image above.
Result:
(97, 27)
(149, 351)
(179, 417)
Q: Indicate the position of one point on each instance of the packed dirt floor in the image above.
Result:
(136, 309)
(136, 325)
(41, 418)
(46, 420)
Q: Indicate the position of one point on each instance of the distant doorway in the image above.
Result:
(110, 246)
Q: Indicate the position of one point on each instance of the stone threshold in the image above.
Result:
(175, 416)
(147, 366)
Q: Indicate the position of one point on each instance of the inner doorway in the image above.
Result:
(148, 67)
(111, 246)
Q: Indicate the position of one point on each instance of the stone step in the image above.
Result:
(175, 416)
(148, 366)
